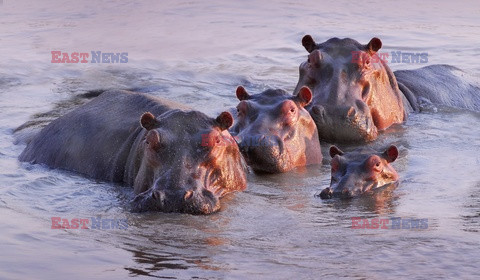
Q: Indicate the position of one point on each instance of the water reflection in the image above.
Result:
(150, 262)
(471, 218)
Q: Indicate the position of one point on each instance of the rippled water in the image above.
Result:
(197, 53)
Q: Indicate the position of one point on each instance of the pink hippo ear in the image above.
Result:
(334, 150)
(148, 121)
(308, 43)
(242, 93)
(153, 140)
(304, 96)
(391, 153)
(224, 120)
(374, 45)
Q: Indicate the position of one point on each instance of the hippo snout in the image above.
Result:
(203, 202)
(326, 193)
(344, 124)
(265, 153)
(192, 202)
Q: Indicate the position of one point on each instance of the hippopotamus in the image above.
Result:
(356, 95)
(360, 171)
(274, 131)
(149, 143)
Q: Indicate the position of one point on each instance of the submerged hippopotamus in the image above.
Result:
(159, 152)
(274, 131)
(356, 95)
(360, 171)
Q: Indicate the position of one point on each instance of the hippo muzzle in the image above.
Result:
(197, 202)
(344, 124)
(265, 153)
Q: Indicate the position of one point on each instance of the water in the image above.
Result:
(197, 53)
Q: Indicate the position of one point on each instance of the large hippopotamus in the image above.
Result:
(360, 171)
(149, 143)
(274, 131)
(356, 95)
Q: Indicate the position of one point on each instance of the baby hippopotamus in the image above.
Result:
(274, 131)
(360, 171)
(149, 143)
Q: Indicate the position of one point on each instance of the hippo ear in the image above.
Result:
(224, 120)
(148, 121)
(242, 93)
(391, 153)
(374, 45)
(304, 96)
(334, 150)
(308, 43)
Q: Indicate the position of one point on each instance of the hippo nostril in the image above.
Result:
(326, 193)
(157, 195)
(188, 195)
(351, 112)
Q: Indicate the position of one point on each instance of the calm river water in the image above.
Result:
(197, 52)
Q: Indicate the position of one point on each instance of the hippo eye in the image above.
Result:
(292, 110)
(242, 108)
(367, 62)
(375, 164)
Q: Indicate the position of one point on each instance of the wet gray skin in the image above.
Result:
(360, 171)
(356, 95)
(159, 153)
(274, 131)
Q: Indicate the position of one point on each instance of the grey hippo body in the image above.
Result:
(356, 95)
(116, 137)
(274, 131)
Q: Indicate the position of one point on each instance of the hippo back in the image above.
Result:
(440, 85)
(95, 139)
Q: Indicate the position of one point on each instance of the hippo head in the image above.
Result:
(355, 92)
(275, 132)
(177, 172)
(360, 171)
